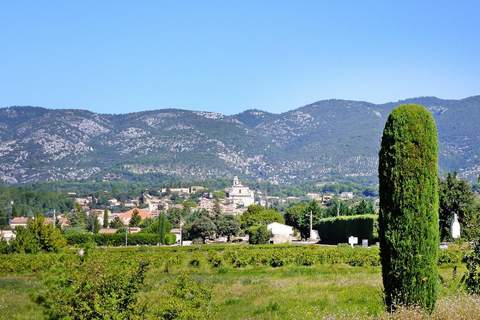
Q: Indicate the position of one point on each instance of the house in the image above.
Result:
(18, 222)
(126, 216)
(281, 233)
(180, 190)
(314, 196)
(113, 202)
(346, 195)
(107, 231)
(178, 234)
(7, 235)
(195, 189)
(84, 202)
(239, 194)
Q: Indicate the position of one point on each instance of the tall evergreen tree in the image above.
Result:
(105, 218)
(162, 227)
(408, 221)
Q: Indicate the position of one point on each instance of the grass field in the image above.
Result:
(290, 291)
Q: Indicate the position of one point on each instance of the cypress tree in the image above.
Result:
(408, 221)
(162, 226)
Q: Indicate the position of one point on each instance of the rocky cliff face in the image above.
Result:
(323, 140)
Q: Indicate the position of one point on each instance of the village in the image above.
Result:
(135, 214)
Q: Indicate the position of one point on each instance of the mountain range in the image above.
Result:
(325, 140)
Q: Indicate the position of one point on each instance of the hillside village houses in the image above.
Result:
(238, 197)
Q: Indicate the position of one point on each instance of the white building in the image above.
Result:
(346, 195)
(281, 233)
(239, 194)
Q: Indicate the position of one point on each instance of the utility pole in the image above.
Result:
(126, 236)
(181, 232)
(311, 225)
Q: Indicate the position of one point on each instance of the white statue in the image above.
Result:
(455, 227)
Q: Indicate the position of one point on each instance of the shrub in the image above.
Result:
(259, 234)
(76, 237)
(472, 278)
(408, 221)
(118, 239)
(170, 238)
(336, 230)
(215, 260)
(186, 298)
(89, 291)
(36, 237)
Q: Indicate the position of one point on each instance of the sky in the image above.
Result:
(228, 56)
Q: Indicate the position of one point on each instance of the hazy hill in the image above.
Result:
(323, 140)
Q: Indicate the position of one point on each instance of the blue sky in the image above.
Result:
(227, 56)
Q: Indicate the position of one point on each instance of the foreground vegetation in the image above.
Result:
(214, 282)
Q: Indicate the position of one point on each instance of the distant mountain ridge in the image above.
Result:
(324, 140)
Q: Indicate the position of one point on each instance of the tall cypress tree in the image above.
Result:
(408, 221)
(162, 227)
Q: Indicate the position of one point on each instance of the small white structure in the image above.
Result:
(239, 194)
(455, 229)
(346, 195)
(7, 235)
(352, 240)
(281, 233)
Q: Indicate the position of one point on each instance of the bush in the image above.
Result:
(76, 237)
(89, 291)
(118, 239)
(186, 298)
(337, 229)
(170, 238)
(37, 237)
(408, 221)
(259, 234)
(472, 278)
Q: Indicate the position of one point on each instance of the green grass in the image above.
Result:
(253, 292)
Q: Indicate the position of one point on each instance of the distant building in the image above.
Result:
(84, 202)
(346, 195)
(7, 235)
(180, 190)
(18, 222)
(314, 196)
(239, 194)
(195, 189)
(281, 233)
(126, 216)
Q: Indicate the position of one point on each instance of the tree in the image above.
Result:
(37, 236)
(116, 223)
(92, 223)
(256, 214)
(456, 196)
(135, 219)
(337, 207)
(364, 207)
(408, 220)
(203, 228)
(227, 226)
(105, 218)
(217, 209)
(163, 227)
(298, 216)
(259, 234)
(78, 218)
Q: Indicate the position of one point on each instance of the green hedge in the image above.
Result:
(337, 229)
(117, 239)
